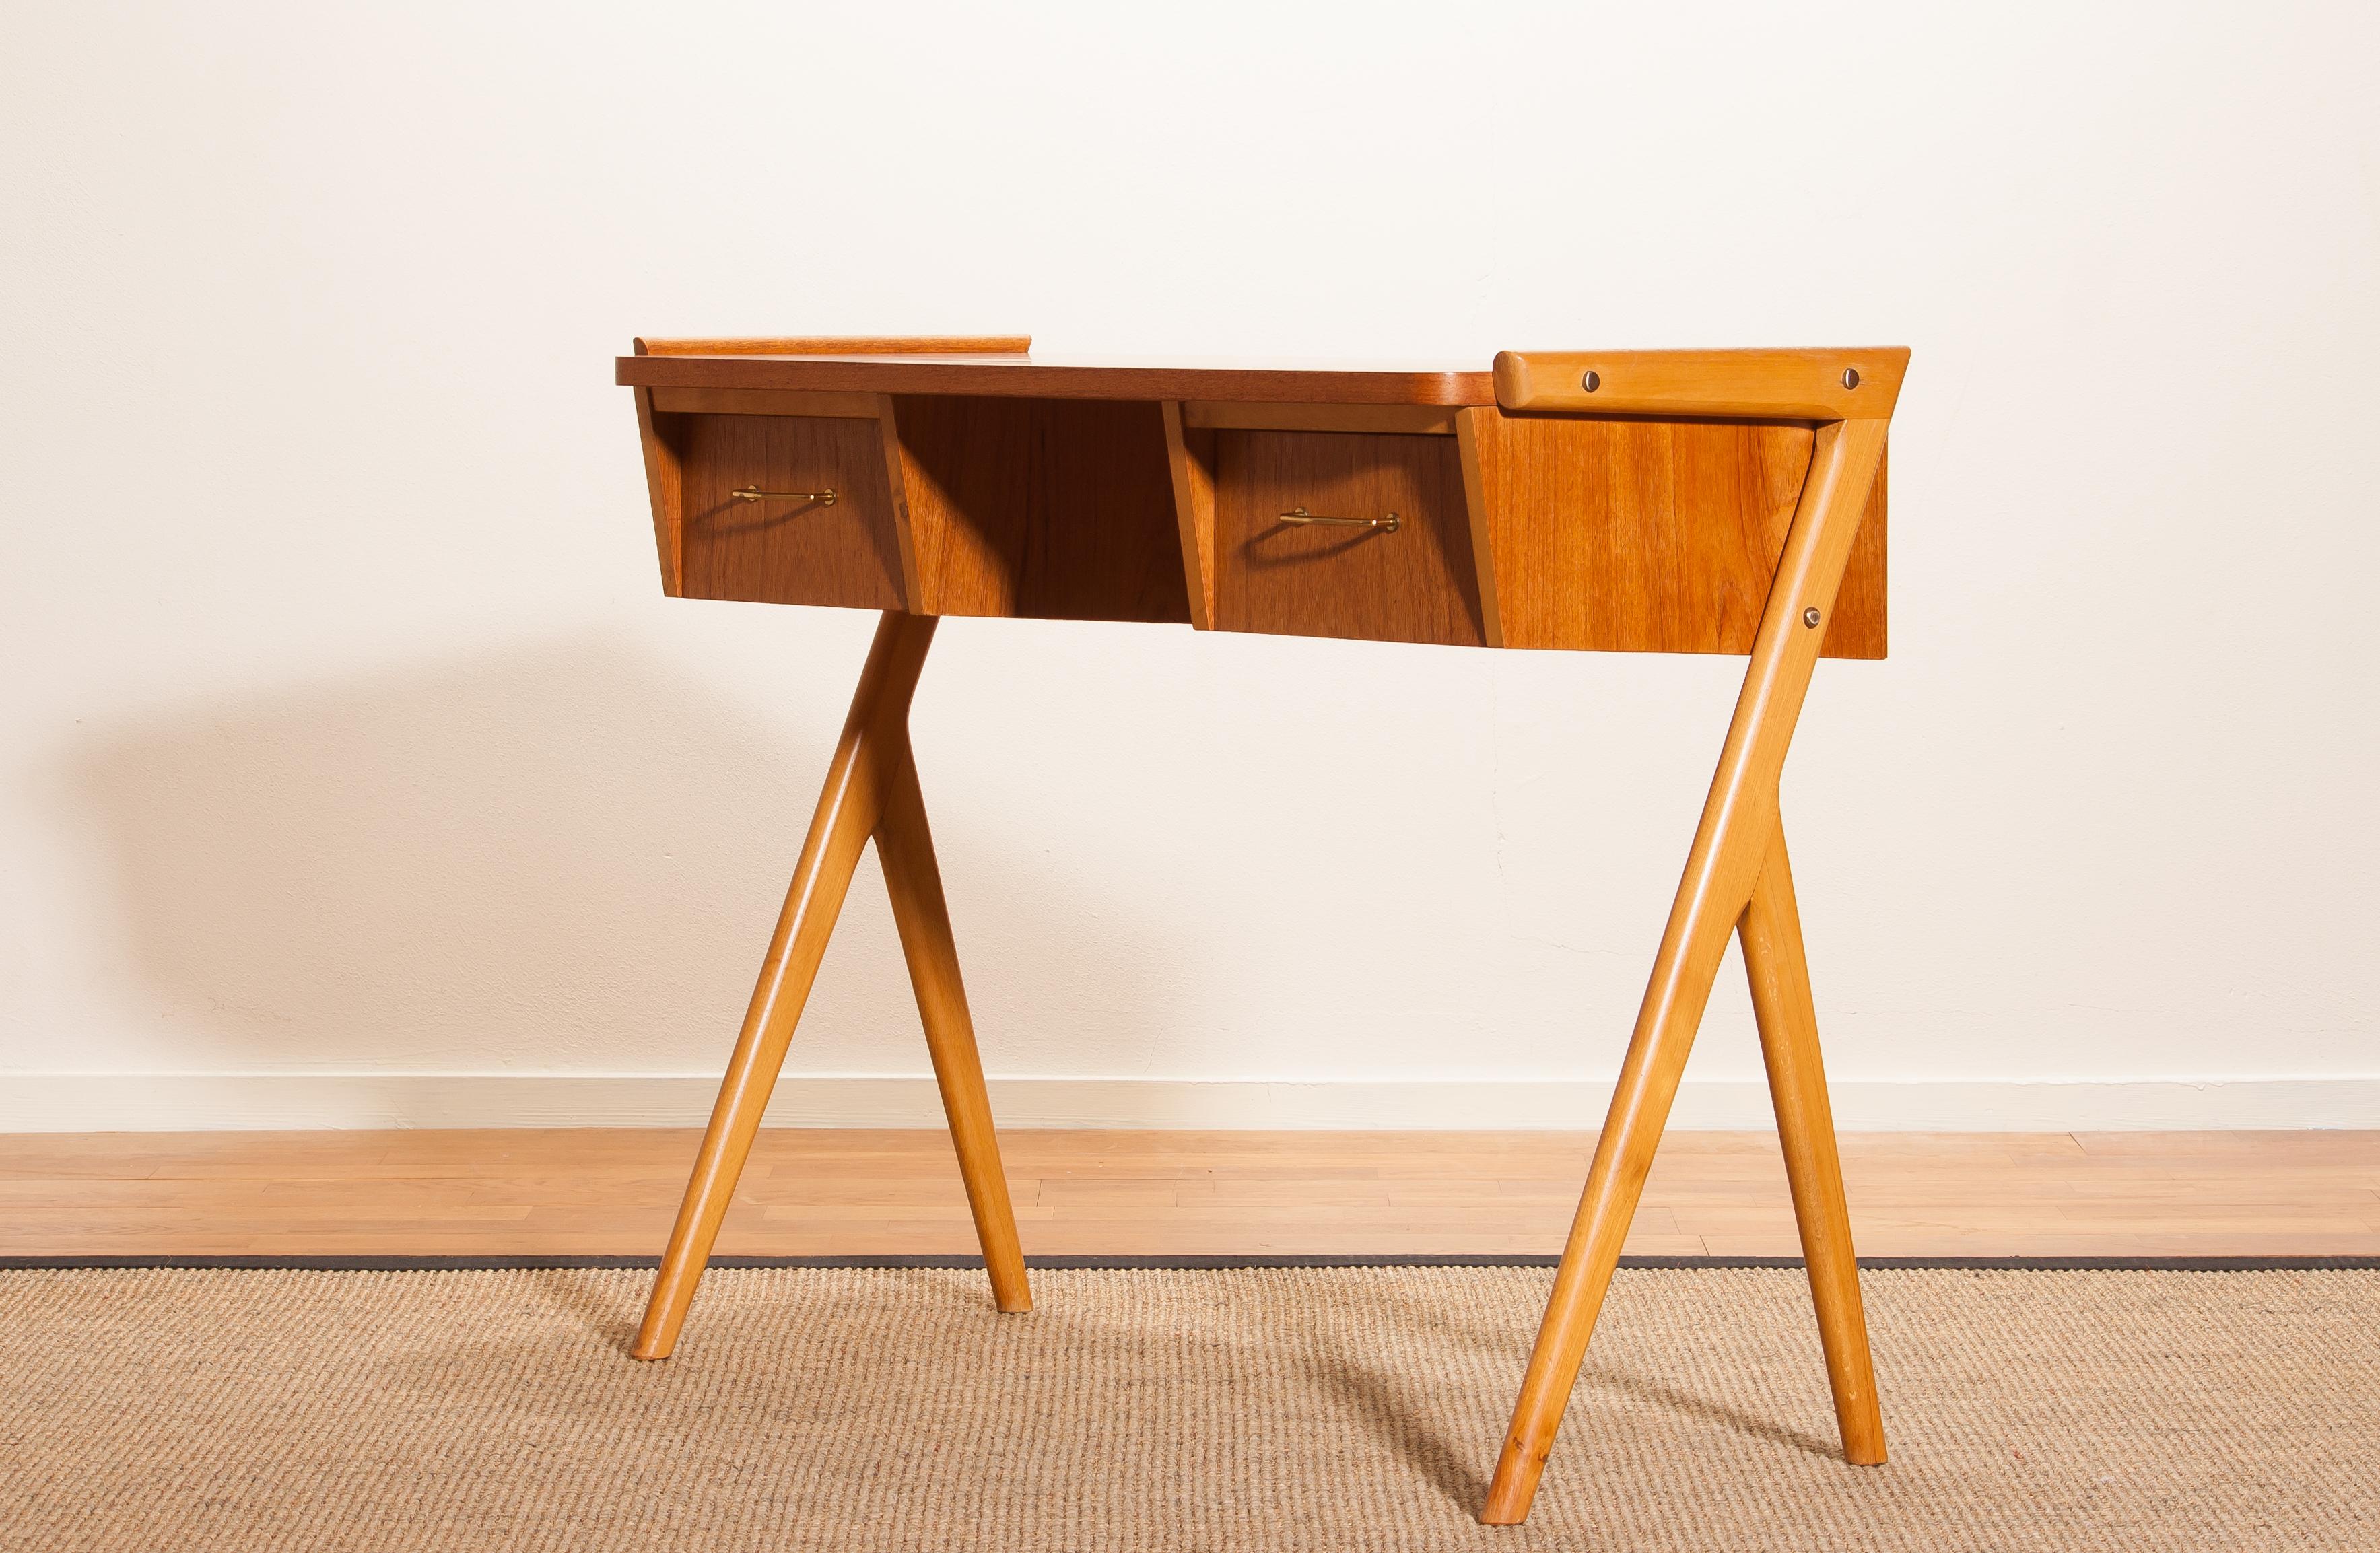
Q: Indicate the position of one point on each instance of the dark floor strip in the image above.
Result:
(1189, 1264)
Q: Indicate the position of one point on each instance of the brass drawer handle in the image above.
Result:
(1302, 518)
(754, 494)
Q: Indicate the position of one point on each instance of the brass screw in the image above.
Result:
(1810, 617)
(1851, 377)
(1590, 381)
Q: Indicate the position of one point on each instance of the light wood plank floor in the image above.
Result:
(831, 1192)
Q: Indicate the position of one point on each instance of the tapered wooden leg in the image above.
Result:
(1729, 846)
(874, 737)
(1683, 973)
(1771, 931)
(905, 847)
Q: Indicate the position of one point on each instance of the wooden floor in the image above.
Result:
(830, 1192)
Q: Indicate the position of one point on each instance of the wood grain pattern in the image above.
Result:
(1089, 1192)
(1051, 379)
(786, 553)
(1416, 585)
(1050, 509)
(1791, 384)
(838, 345)
(1649, 536)
(1190, 453)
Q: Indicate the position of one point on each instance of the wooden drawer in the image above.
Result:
(1416, 584)
(778, 551)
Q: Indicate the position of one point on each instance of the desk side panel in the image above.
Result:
(1858, 629)
(664, 488)
(1652, 536)
(1050, 509)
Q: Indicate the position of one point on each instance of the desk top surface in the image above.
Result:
(1026, 376)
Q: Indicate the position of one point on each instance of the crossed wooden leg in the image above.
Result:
(1771, 932)
(871, 790)
(1735, 878)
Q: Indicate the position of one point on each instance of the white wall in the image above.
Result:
(354, 770)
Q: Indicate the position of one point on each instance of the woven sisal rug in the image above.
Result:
(1259, 1409)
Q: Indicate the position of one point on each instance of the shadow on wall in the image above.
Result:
(562, 858)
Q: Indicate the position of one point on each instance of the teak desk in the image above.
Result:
(1623, 501)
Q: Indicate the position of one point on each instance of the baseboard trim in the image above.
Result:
(164, 1102)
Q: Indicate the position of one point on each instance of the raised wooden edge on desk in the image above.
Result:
(1833, 384)
(840, 344)
(1003, 376)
